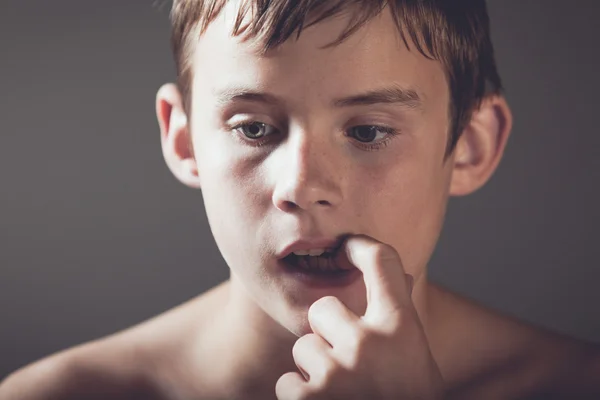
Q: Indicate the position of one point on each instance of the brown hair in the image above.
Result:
(454, 32)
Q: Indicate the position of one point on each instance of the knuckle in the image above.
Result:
(303, 394)
(377, 252)
(358, 339)
(368, 251)
(399, 322)
(384, 252)
(353, 349)
(285, 388)
(301, 344)
(328, 371)
(327, 301)
(321, 305)
(404, 319)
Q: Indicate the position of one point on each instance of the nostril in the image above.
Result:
(292, 205)
(323, 202)
(288, 206)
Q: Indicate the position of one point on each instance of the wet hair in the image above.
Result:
(454, 32)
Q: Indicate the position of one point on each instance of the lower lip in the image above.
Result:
(319, 279)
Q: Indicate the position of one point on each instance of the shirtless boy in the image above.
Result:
(306, 143)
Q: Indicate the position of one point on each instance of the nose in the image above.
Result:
(307, 177)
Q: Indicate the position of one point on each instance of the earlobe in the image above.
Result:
(481, 146)
(175, 136)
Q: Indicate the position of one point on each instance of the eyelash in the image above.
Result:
(391, 133)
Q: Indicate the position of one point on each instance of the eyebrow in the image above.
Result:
(388, 95)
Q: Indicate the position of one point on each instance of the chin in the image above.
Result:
(294, 317)
(297, 325)
(290, 315)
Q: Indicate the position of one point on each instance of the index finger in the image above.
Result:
(385, 280)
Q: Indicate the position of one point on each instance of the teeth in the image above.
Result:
(319, 264)
(316, 252)
(316, 264)
(311, 252)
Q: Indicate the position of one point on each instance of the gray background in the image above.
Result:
(96, 235)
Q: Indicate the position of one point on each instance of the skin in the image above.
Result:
(337, 360)
(262, 335)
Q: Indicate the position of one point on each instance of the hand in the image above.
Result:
(381, 355)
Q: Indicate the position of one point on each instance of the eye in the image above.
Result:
(365, 136)
(255, 130)
(256, 133)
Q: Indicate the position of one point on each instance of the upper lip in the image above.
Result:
(309, 244)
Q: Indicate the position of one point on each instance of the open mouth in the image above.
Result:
(327, 268)
(324, 264)
(319, 263)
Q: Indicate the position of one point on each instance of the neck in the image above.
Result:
(251, 348)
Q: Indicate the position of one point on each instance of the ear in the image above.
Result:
(481, 146)
(175, 136)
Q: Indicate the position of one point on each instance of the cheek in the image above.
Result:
(406, 208)
(230, 189)
(229, 177)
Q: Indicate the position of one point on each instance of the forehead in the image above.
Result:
(304, 71)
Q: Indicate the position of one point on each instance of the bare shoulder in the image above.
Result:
(124, 365)
(84, 372)
(99, 369)
(504, 357)
(565, 366)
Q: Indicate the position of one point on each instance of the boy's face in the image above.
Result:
(314, 174)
